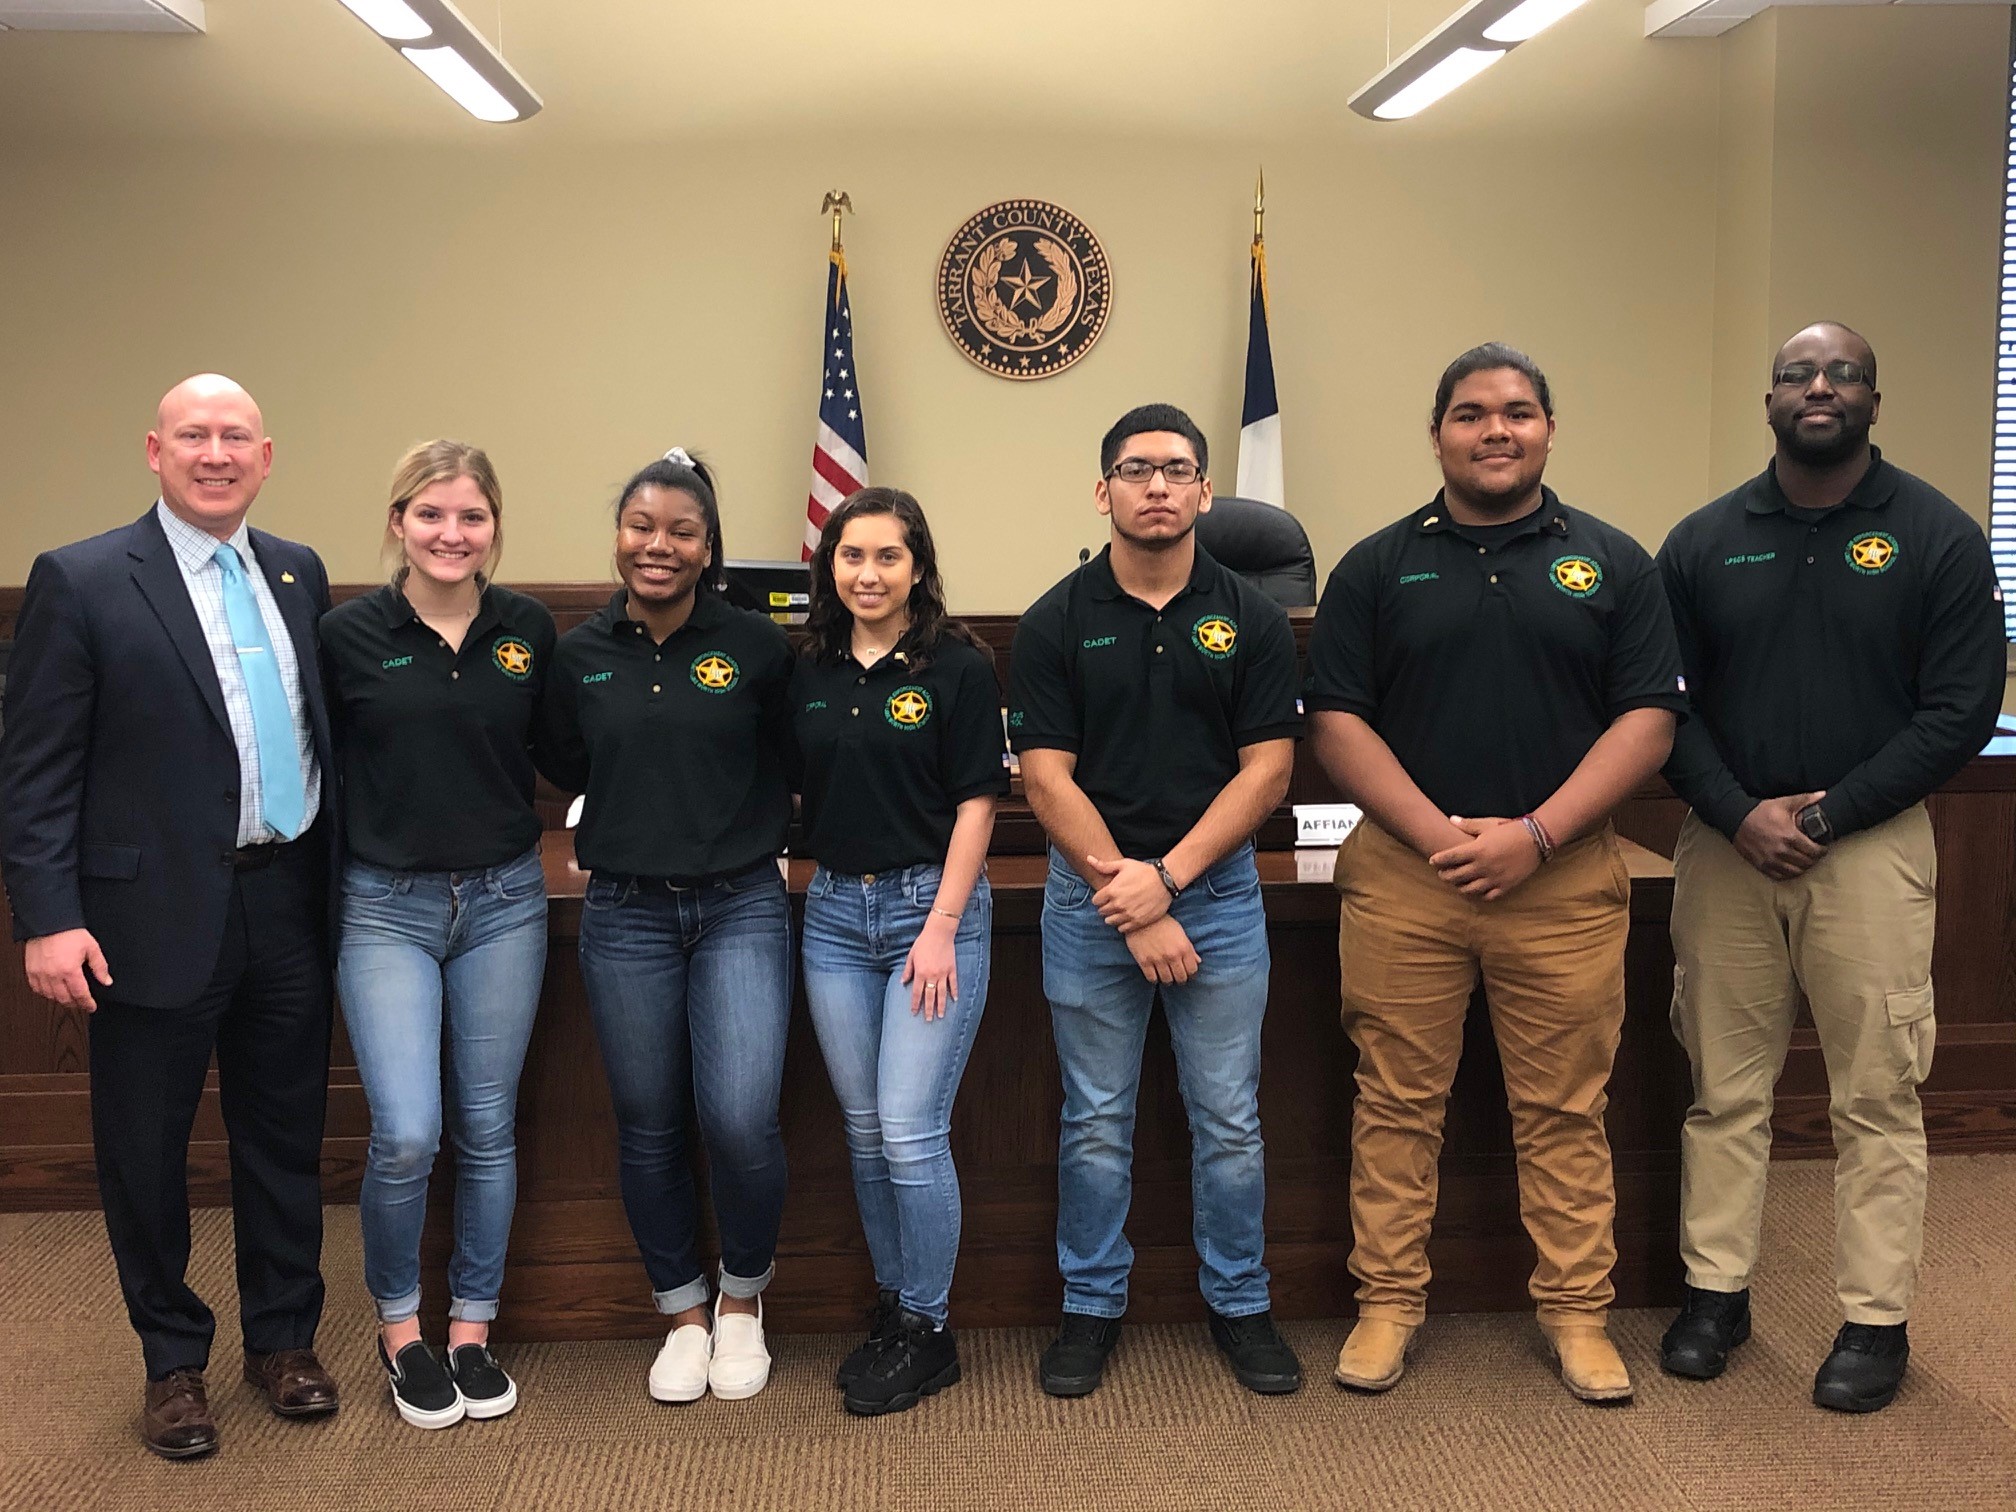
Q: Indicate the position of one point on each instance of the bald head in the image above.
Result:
(1832, 338)
(207, 389)
(210, 449)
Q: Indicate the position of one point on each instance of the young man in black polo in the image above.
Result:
(1488, 677)
(1152, 699)
(1843, 635)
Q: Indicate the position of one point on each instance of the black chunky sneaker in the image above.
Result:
(919, 1360)
(422, 1389)
(881, 1328)
(487, 1392)
(1260, 1357)
(1865, 1369)
(1710, 1325)
(1075, 1362)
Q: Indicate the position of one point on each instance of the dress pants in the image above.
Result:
(1854, 933)
(1551, 953)
(265, 1014)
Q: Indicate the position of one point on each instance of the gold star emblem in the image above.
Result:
(1024, 286)
(1577, 575)
(715, 672)
(1216, 635)
(515, 657)
(1872, 553)
(909, 708)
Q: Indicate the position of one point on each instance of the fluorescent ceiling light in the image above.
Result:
(1459, 68)
(464, 85)
(1529, 20)
(1458, 50)
(451, 52)
(391, 19)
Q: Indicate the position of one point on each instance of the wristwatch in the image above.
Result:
(1813, 825)
(1168, 881)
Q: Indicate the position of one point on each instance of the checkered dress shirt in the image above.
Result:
(196, 554)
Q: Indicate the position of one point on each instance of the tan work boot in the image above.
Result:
(1374, 1357)
(1591, 1368)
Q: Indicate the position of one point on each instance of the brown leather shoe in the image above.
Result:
(1591, 1368)
(1375, 1356)
(293, 1381)
(177, 1422)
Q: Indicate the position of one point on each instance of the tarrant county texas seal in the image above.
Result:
(1024, 288)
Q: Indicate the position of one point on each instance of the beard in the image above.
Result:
(1820, 451)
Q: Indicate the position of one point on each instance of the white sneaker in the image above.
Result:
(741, 1365)
(679, 1374)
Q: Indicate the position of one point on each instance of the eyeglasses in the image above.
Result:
(1176, 472)
(1839, 371)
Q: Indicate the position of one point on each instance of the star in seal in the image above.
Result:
(1578, 577)
(715, 672)
(908, 708)
(513, 658)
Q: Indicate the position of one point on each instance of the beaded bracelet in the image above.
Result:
(1542, 841)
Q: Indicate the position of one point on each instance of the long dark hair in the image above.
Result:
(696, 479)
(829, 624)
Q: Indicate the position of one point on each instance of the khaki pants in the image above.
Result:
(1855, 933)
(1410, 948)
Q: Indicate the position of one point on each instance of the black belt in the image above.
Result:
(253, 857)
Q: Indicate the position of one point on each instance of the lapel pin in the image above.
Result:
(286, 577)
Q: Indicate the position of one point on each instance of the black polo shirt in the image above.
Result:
(681, 746)
(1155, 703)
(1490, 659)
(1858, 649)
(889, 753)
(436, 744)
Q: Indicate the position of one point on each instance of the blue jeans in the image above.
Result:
(1099, 1007)
(420, 949)
(690, 990)
(896, 1072)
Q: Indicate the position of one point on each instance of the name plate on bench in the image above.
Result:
(1325, 823)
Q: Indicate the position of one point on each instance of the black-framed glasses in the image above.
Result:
(1176, 472)
(1839, 371)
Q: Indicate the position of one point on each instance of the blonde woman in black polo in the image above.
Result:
(436, 681)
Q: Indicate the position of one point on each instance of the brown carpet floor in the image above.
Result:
(1479, 1423)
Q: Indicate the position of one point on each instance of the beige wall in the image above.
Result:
(1643, 217)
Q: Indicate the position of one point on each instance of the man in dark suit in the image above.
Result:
(166, 844)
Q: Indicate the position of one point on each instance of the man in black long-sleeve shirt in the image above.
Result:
(1842, 633)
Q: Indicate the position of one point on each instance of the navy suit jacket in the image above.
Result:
(118, 773)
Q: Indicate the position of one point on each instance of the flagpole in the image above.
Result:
(838, 203)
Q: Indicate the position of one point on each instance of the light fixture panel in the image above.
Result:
(440, 41)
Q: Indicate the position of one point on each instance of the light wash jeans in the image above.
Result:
(690, 990)
(420, 950)
(1099, 1007)
(895, 1072)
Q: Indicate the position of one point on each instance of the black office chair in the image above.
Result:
(1265, 545)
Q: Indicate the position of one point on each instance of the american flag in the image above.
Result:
(840, 454)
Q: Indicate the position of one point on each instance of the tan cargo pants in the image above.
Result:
(1855, 934)
(1410, 949)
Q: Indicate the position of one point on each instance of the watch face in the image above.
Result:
(1814, 824)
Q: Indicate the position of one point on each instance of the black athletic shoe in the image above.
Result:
(1076, 1359)
(1710, 1325)
(881, 1329)
(1865, 1369)
(487, 1392)
(1260, 1357)
(918, 1361)
(422, 1389)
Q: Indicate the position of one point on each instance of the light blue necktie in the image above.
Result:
(282, 795)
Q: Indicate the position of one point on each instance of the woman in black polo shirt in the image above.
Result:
(898, 718)
(435, 683)
(671, 709)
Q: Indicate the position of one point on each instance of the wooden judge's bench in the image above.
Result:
(574, 1273)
